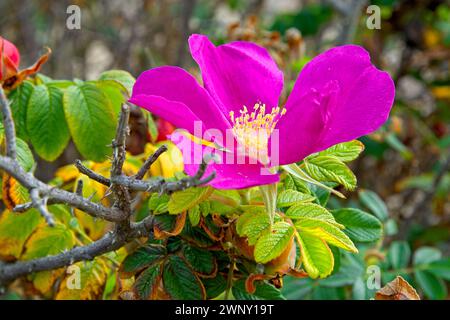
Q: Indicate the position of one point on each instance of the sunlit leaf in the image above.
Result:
(326, 168)
(253, 225)
(345, 152)
(271, 244)
(181, 201)
(317, 257)
(15, 230)
(288, 198)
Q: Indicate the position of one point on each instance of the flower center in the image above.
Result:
(253, 129)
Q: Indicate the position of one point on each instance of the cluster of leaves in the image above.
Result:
(48, 113)
(223, 242)
(360, 276)
(25, 236)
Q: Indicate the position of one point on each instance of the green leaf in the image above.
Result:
(20, 98)
(159, 203)
(15, 230)
(181, 201)
(374, 203)
(326, 168)
(311, 212)
(48, 241)
(214, 286)
(143, 257)
(294, 183)
(264, 291)
(433, 287)
(194, 215)
(93, 278)
(272, 244)
(227, 197)
(359, 225)
(46, 124)
(148, 281)
(201, 260)
(91, 120)
(344, 152)
(120, 76)
(440, 268)
(426, 255)
(113, 91)
(180, 282)
(399, 254)
(317, 257)
(253, 225)
(152, 127)
(24, 155)
(288, 198)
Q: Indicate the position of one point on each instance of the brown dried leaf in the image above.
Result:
(397, 289)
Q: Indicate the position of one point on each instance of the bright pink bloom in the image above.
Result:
(339, 96)
(9, 59)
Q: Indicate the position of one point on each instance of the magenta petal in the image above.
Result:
(339, 96)
(174, 94)
(228, 176)
(238, 73)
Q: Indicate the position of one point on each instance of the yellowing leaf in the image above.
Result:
(171, 160)
(47, 241)
(316, 256)
(155, 169)
(326, 231)
(181, 201)
(13, 193)
(15, 230)
(67, 173)
(272, 244)
(92, 281)
(95, 191)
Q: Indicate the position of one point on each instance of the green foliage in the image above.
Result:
(271, 244)
(359, 225)
(330, 169)
(264, 291)
(181, 201)
(46, 123)
(90, 114)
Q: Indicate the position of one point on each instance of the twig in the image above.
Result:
(79, 188)
(91, 174)
(56, 195)
(8, 124)
(121, 193)
(148, 163)
(161, 186)
(119, 142)
(40, 205)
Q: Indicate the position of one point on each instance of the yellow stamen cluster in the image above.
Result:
(252, 130)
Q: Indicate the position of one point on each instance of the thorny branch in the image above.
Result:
(121, 186)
